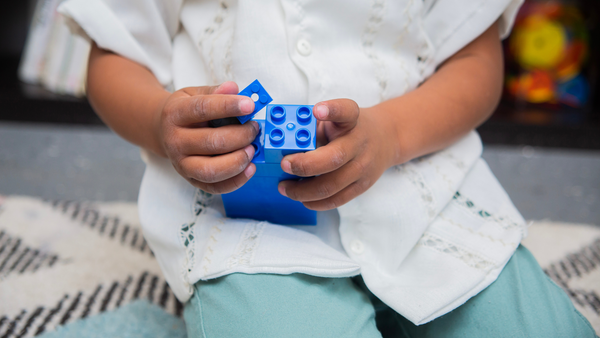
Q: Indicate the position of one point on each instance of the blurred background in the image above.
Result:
(543, 142)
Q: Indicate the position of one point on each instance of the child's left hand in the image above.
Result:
(361, 143)
(358, 147)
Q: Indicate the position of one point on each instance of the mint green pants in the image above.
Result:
(522, 302)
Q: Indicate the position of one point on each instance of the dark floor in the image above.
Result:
(91, 163)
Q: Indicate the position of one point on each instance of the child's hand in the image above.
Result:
(458, 97)
(359, 148)
(216, 160)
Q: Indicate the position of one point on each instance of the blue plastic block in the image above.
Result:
(263, 168)
(259, 144)
(263, 99)
(259, 199)
(289, 129)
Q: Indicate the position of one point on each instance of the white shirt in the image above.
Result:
(430, 233)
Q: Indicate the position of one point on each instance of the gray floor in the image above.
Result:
(83, 163)
(76, 163)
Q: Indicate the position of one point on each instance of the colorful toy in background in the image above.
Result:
(547, 50)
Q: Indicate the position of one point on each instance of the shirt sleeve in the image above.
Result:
(140, 30)
(452, 24)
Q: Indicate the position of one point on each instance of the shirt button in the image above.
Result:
(357, 246)
(303, 47)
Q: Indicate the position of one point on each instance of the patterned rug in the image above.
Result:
(61, 262)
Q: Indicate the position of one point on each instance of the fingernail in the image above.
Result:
(281, 189)
(249, 151)
(250, 170)
(286, 166)
(246, 106)
(321, 112)
(256, 126)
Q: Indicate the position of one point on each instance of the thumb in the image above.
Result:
(343, 113)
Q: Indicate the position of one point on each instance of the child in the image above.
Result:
(404, 198)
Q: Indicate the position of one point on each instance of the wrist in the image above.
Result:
(156, 107)
(395, 136)
(389, 139)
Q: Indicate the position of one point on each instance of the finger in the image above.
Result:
(213, 141)
(346, 195)
(324, 186)
(343, 112)
(322, 138)
(228, 87)
(322, 160)
(213, 169)
(228, 185)
(192, 110)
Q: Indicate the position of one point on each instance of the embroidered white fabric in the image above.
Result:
(470, 258)
(503, 221)
(247, 246)
(382, 49)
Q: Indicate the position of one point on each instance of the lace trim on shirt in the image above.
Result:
(372, 28)
(432, 160)
(458, 163)
(227, 63)
(470, 258)
(202, 200)
(186, 232)
(210, 31)
(427, 197)
(400, 41)
(301, 14)
(244, 253)
(212, 240)
(505, 222)
(513, 245)
(188, 240)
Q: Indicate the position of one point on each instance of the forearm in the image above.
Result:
(127, 97)
(461, 95)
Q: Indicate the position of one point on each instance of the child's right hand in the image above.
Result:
(216, 160)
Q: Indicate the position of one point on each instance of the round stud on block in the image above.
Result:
(255, 88)
(303, 115)
(277, 136)
(264, 99)
(302, 138)
(277, 114)
(290, 126)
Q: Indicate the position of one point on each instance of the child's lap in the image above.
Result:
(522, 302)
(266, 305)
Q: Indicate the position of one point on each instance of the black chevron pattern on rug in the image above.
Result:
(79, 305)
(574, 265)
(105, 225)
(18, 257)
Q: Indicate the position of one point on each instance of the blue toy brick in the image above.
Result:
(263, 168)
(288, 129)
(259, 199)
(259, 144)
(263, 99)
(273, 170)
